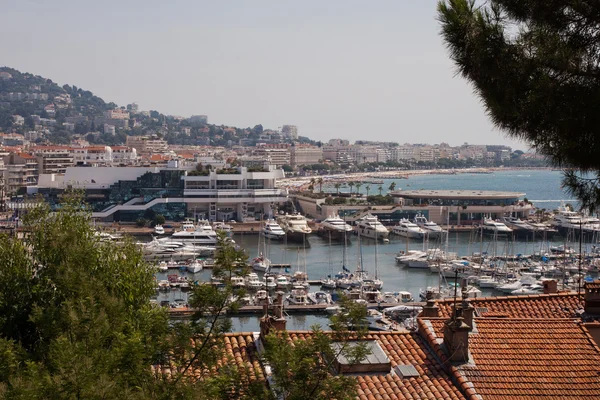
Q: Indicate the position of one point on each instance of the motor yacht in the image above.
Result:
(272, 230)
(408, 229)
(223, 227)
(567, 220)
(159, 230)
(335, 228)
(269, 282)
(282, 282)
(370, 227)
(492, 226)
(432, 229)
(295, 227)
(202, 234)
(252, 281)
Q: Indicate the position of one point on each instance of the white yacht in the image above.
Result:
(431, 228)
(202, 234)
(405, 228)
(159, 230)
(272, 230)
(223, 227)
(492, 226)
(566, 220)
(369, 226)
(195, 266)
(335, 228)
(295, 227)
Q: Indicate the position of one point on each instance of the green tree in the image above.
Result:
(351, 185)
(367, 188)
(287, 168)
(534, 64)
(380, 189)
(337, 187)
(392, 186)
(320, 183)
(358, 185)
(302, 368)
(159, 219)
(75, 313)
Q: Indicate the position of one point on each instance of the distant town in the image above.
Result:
(46, 129)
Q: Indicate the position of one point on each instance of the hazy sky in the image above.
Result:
(374, 70)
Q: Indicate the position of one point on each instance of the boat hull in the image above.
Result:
(297, 237)
(273, 236)
(336, 235)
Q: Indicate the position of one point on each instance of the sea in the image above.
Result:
(541, 187)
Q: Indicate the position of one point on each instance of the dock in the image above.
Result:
(181, 313)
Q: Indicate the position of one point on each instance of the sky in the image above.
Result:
(356, 70)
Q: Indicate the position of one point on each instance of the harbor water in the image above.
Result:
(323, 258)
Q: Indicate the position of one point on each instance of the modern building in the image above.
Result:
(147, 144)
(53, 159)
(290, 131)
(126, 194)
(21, 170)
(305, 154)
(454, 207)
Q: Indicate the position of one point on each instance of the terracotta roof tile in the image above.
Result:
(564, 305)
(404, 348)
(525, 358)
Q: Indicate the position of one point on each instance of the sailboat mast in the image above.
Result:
(375, 254)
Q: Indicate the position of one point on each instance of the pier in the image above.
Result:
(184, 312)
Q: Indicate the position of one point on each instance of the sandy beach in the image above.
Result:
(302, 182)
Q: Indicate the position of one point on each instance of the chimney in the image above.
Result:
(466, 309)
(550, 287)
(275, 322)
(592, 297)
(431, 309)
(456, 340)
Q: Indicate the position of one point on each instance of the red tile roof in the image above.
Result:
(404, 348)
(563, 305)
(524, 359)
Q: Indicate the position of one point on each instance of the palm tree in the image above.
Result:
(351, 185)
(367, 188)
(337, 187)
(320, 183)
(313, 181)
(392, 186)
(311, 187)
(380, 188)
(358, 185)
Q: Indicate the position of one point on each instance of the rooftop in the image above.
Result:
(561, 305)
(456, 194)
(525, 358)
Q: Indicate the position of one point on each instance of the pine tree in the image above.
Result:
(535, 65)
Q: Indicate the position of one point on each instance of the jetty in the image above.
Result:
(186, 312)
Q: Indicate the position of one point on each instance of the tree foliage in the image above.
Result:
(535, 65)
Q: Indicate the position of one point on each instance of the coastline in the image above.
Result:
(302, 182)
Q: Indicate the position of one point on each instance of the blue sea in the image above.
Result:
(542, 187)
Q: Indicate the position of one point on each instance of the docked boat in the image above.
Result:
(223, 227)
(520, 228)
(252, 281)
(408, 229)
(272, 230)
(298, 296)
(261, 263)
(295, 227)
(370, 227)
(432, 229)
(203, 234)
(195, 266)
(566, 220)
(335, 228)
(495, 227)
(159, 230)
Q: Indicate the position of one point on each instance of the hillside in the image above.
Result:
(47, 112)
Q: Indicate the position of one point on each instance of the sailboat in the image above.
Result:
(329, 282)
(261, 263)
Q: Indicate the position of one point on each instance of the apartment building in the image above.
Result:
(305, 154)
(53, 159)
(21, 170)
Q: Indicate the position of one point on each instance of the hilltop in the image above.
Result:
(38, 107)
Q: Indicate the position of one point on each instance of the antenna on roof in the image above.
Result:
(455, 290)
